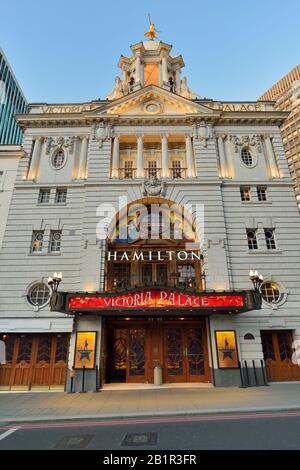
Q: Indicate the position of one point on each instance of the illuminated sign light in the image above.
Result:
(155, 299)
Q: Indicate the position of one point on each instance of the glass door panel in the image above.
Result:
(136, 352)
(174, 357)
(195, 352)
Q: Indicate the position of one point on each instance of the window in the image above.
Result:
(270, 238)
(270, 292)
(186, 275)
(60, 196)
(128, 169)
(146, 274)
(261, 193)
(176, 169)
(1, 176)
(58, 159)
(245, 194)
(247, 157)
(252, 240)
(37, 241)
(121, 275)
(44, 196)
(39, 294)
(55, 242)
(152, 169)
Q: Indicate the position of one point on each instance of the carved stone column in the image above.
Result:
(165, 156)
(271, 157)
(177, 75)
(164, 67)
(115, 157)
(83, 159)
(140, 156)
(138, 69)
(223, 159)
(189, 156)
(35, 159)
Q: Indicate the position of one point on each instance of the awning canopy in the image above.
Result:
(156, 301)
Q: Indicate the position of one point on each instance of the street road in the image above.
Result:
(269, 430)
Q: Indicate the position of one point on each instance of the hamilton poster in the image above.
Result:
(227, 350)
(85, 349)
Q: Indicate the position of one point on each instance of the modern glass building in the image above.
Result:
(12, 101)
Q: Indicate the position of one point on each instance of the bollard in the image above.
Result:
(97, 389)
(83, 380)
(72, 375)
(254, 372)
(241, 376)
(247, 375)
(263, 371)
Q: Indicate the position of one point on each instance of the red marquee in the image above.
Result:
(155, 299)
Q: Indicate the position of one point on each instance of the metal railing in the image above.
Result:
(127, 173)
(152, 172)
(178, 173)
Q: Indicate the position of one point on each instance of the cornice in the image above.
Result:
(87, 118)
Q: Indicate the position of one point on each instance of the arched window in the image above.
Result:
(271, 293)
(39, 294)
(58, 159)
(249, 336)
(247, 157)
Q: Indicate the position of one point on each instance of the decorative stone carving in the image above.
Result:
(49, 145)
(117, 90)
(254, 141)
(203, 132)
(102, 132)
(154, 187)
(185, 91)
(60, 142)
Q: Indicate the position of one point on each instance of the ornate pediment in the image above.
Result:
(153, 101)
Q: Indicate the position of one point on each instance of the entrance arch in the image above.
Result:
(153, 244)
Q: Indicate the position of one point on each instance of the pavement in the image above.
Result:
(54, 406)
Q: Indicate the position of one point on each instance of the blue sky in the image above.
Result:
(67, 51)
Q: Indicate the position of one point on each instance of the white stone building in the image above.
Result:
(9, 161)
(152, 142)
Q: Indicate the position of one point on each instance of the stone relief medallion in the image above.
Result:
(154, 187)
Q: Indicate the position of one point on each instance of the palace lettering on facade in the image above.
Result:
(172, 290)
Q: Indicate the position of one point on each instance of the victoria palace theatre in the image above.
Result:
(134, 224)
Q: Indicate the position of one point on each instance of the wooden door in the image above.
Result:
(174, 364)
(136, 355)
(278, 351)
(185, 353)
(196, 354)
(22, 363)
(38, 360)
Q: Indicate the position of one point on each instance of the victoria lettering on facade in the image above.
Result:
(142, 288)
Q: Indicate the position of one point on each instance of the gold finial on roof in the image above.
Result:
(151, 33)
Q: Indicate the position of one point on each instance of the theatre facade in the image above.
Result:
(154, 204)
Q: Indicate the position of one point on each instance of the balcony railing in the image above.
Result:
(178, 173)
(152, 172)
(127, 173)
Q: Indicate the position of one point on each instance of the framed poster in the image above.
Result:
(227, 349)
(85, 349)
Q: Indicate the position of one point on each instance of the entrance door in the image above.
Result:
(136, 360)
(35, 360)
(126, 361)
(278, 351)
(185, 352)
